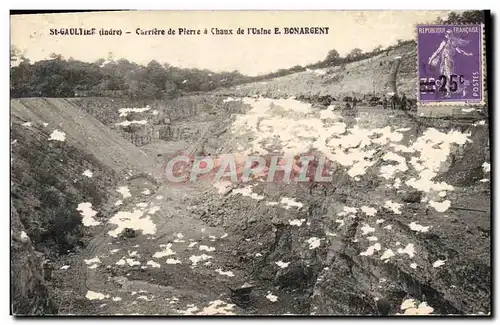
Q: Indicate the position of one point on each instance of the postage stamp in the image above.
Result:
(450, 64)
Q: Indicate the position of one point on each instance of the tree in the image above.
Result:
(15, 53)
(60, 77)
(157, 76)
(332, 56)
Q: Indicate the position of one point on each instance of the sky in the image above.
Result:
(249, 54)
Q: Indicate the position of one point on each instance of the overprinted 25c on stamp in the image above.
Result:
(450, 64)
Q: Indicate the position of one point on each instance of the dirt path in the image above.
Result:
(184, 267)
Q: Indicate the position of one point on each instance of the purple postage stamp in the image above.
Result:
(450, 64)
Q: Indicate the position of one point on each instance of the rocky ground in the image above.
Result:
(365, 244)
(375, 76)
(403, 227)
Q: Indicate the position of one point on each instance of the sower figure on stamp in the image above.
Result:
(444, 56)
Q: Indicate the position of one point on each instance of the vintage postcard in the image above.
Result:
(450, 64)
(192, 163)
